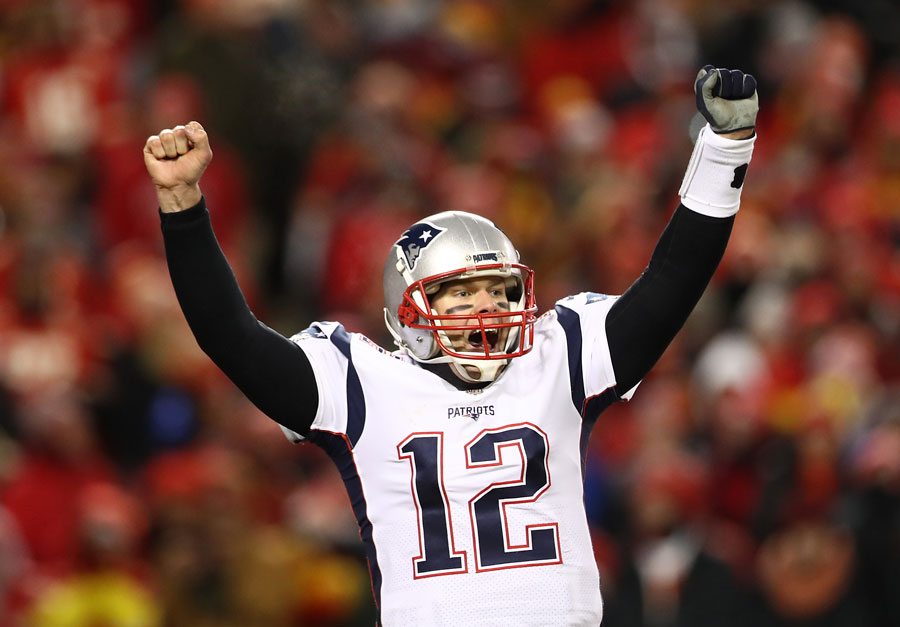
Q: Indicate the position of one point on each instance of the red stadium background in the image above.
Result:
(759, 464)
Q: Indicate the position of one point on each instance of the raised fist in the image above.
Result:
(175, 160)
(727, 99)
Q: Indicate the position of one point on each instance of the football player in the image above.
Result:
(463, 450)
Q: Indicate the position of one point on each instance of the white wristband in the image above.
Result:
(715, 174)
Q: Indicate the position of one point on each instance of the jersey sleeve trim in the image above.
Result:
(590, 412)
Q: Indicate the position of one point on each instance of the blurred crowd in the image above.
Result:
(757, 470)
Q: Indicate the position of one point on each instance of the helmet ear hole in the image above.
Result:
(406, 315)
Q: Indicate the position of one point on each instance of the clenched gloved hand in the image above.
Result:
(727, 99)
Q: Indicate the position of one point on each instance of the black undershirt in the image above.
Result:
(275, 374)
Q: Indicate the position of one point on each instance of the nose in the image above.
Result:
(485, 303)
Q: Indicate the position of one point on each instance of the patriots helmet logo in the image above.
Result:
(415, 239)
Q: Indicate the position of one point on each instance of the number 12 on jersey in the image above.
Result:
(487, 509)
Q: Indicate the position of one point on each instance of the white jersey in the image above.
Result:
(470, 503)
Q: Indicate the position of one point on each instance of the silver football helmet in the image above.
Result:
(449, 246)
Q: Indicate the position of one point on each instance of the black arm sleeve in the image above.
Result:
(270, 369)
(643, 322)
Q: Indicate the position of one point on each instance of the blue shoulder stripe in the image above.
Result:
(589, 408)
(571, 324)
(356, 402)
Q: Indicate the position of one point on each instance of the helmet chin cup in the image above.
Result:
(478, 372)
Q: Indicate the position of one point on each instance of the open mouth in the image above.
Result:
(476, 339)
